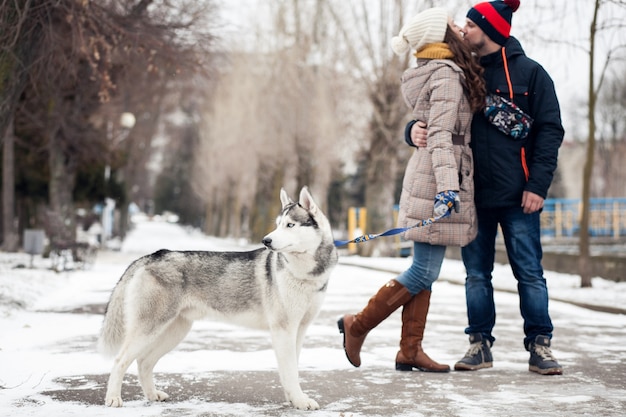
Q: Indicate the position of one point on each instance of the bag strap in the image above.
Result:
(506, 72)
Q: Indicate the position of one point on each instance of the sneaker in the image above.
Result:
(541, 359)
(478, 356)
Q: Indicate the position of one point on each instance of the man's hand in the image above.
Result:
(418, 134)
(531, 202)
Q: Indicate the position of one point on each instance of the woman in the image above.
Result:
(444, 89)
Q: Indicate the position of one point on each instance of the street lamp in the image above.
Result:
(127, 120)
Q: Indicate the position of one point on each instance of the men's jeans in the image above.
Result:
(523, 246)
(424, 270)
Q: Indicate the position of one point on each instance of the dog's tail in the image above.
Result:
(113, 327)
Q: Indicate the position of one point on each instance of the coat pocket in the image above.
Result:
(466, 173)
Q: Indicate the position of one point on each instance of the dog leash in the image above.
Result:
(390, 232)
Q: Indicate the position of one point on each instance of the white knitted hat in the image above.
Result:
(426, 27)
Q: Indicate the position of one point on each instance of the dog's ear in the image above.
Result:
(306, 200)
(284, 198)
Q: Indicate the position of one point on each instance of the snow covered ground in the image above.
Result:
(49, 323)
(604, 294)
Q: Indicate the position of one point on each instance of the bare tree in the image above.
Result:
(84, 54)
(10, 241)
(365, 32)
(275, 122)
(603, 47)
(316, 51)
(611, 137)
(18, 48)
(594, 87)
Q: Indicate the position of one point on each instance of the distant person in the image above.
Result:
(444, 89)
(512, 177)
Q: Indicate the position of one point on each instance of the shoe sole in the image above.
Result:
(407, 367)
(342, 331)
(548, 371)
(466, 367)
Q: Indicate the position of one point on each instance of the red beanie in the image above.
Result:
(494, 18)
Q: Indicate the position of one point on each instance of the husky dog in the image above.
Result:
(279, 287)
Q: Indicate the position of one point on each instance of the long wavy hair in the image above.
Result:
(474, 82)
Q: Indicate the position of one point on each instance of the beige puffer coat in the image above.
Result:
(434, 91)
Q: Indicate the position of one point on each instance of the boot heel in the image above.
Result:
(340, 325)
(404, 367)
(356, 326)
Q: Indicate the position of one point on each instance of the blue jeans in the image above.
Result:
(523, 246)
(424, 270)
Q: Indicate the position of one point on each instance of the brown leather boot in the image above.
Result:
(356, 326)
(411, 354)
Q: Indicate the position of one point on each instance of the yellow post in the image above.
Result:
(615, 220)
(362, 219)
(351, 228)
(357, 218)
(397, 237)
(558, 220)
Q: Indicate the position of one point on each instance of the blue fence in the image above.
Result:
(561, 217)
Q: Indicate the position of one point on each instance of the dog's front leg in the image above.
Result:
(285, 348)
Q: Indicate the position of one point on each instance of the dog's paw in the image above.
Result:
(304, 403)
(157, 396)
(113, 401)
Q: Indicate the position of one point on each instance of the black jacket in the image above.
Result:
(505, 167)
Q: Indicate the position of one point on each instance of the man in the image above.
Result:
(512, 177)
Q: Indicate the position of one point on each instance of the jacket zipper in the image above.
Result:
(508, 80)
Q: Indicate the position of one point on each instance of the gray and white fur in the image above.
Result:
(279, 287)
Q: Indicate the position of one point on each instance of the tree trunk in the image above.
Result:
(62, 180)
(386, 125)
(584, 257)
(379, 190)
(14, 63)
(11, 238)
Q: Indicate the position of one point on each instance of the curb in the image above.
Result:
(593, 307)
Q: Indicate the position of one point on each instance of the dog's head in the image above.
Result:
(301, 227)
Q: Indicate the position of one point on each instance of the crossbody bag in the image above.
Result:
(504, 114)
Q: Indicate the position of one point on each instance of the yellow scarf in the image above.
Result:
(438, 50)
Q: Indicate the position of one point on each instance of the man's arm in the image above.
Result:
(416, 134)
(547, 131)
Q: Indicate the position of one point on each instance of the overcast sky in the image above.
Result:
(555, 33)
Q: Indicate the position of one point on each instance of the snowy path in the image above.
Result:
(48, 365)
